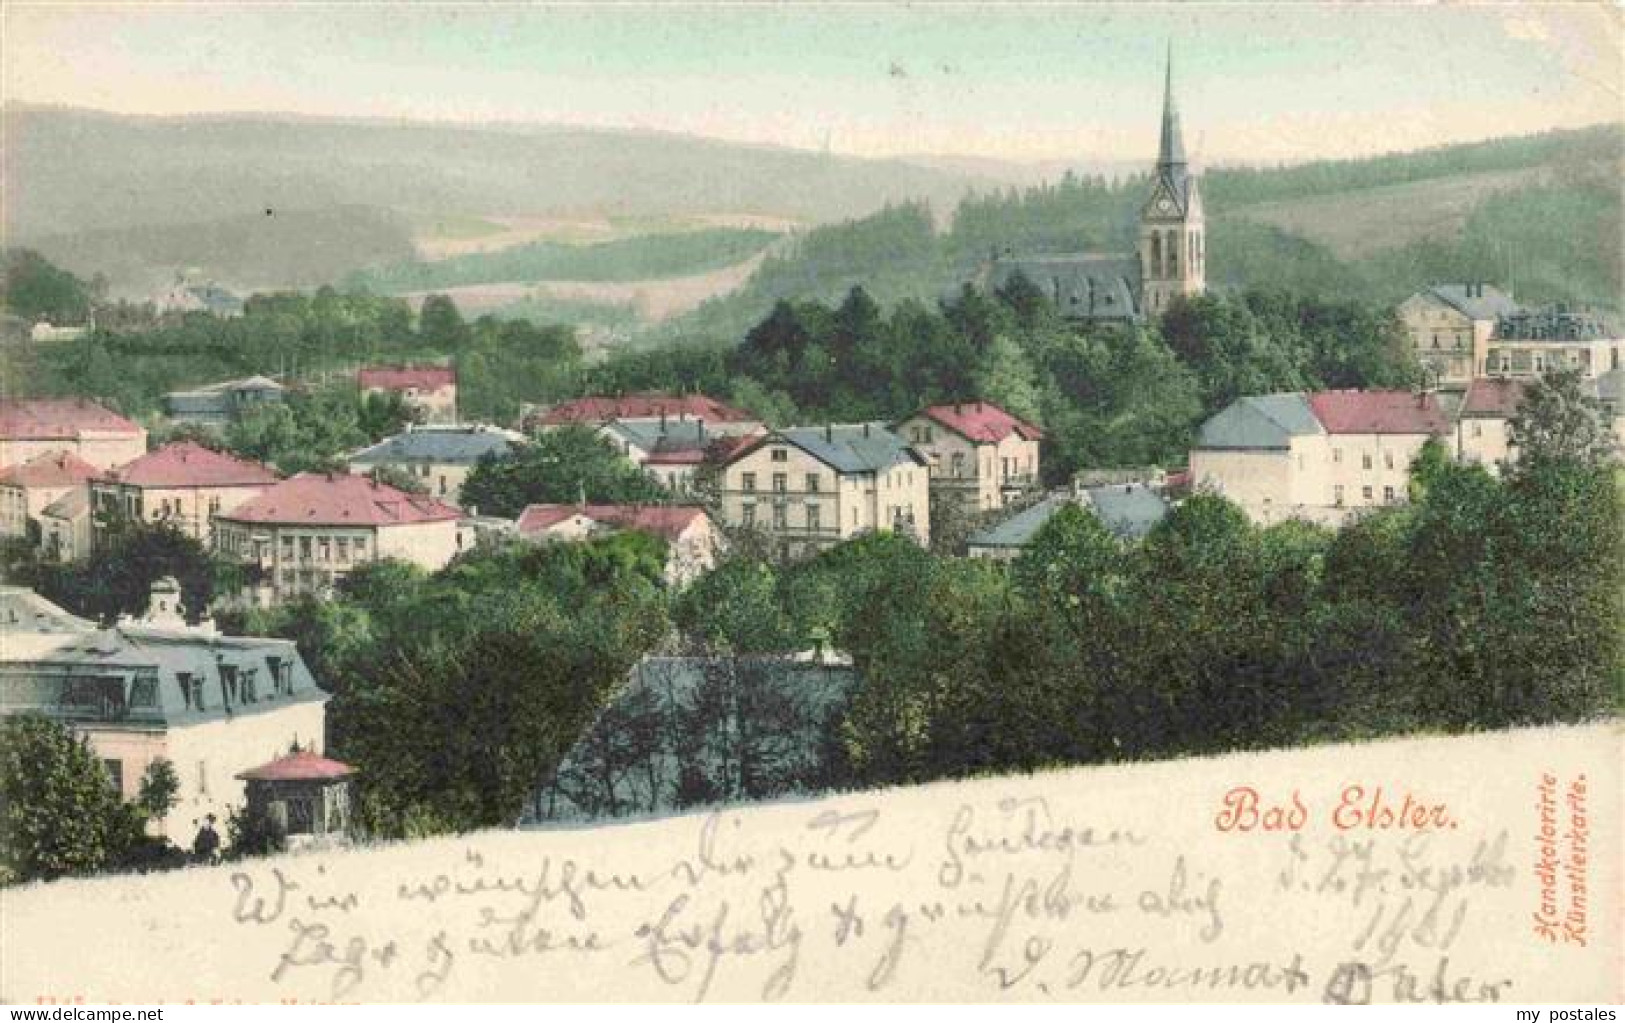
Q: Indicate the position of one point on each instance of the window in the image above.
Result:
(1337, 455)
(1387, 459)
(324, 549)
(812, 483)
(248, 687)
(778, 516)
(144, 692)
(344, 548)
(1388, 495)
(1365, 461)
(304, 548)
(115, 771)
(228, 682)
(781, 482)
(780, 455)
(287, 548)
(1365, 492)
(747, 515)
(360, 547)
(1337, 495)
(813, 515)
(957, 462)
(748, 482)
(1478, 429)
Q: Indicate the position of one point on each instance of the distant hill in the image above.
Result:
(73, 176)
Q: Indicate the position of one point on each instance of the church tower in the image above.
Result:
(1173, 237)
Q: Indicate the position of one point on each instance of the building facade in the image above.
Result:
(692, 539)
(26, 490)
(808, 488)
(183, 484)
(65, 529)
(219, 405)
(31, 427)
(307, 533)
(978, 454)
(1533, 342)
(430, 390)
(211, 705)
(1450, 326)
(1322, 457)
(438, 457)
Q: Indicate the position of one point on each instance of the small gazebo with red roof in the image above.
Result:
(301, 794)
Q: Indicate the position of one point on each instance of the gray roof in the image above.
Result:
(1129, 510)
(462, 446)
(23, 610)
(653, 435)
(1476, 301)
(1082, 285)
(1019, 529)
(70, 505)
(1260, 421)
(851, 447)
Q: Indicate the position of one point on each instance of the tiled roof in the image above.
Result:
(1475, 301)
(59, 419)
(847, 448)
(398, 378)
(1492, 397)
(1259, 421)
(1378, 412)
(668, 521)
(339, 499)
(462, 445)
(642, 406)
(69, 506)
(981, 421)
(301, 766)
(189, 464)
(52, 469)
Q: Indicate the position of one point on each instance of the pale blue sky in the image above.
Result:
(1256, 82)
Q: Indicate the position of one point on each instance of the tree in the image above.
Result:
(59, 813)
(1557, 422)
(441, 324)
(562, 466)
(132, 555)
(160, 787)
(35, 289)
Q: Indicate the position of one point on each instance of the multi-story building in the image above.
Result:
(810, 487)
(718, 418)
(439, 457)
(223, 403)
(672, 451)
(1450, 326)
(183, 484)
(1532, 342)
(212, 705)
(979, 454)
(690, 535)
(431, 390)
(1321, 457)
(28, 489)
(308, 532)
(65, 529)
(31, 427)
(1482, 434)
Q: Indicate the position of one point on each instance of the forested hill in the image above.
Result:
(1540, 214)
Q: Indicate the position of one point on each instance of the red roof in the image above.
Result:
(301, 766)
(189, 464)
(668, 521)
(52, 469)
(642, 406)
(1492, 397)
(339, 499)
(59, 419)
(399, 378)
(981, 421)
(1378, 412)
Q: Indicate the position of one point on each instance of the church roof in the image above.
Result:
(1171, 152)
(1082, 285)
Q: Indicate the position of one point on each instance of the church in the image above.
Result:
(1172, 257)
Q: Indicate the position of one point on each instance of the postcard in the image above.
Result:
(812, 503)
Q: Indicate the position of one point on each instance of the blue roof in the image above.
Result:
(1476, 301)
(1260, 421)
(1019, 529)
(1129, 509)
(851, 447)
(654, 435)
(461, 446)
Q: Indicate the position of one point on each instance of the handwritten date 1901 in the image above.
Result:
(1358, 807)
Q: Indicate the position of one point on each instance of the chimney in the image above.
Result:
(958, 409)
(829, 433)
(866, 429)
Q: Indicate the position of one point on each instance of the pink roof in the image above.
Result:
(643, 406)
(668, 521)
(59, 419)
(1492, 397)
(1378, 412)
(301, 766)
(189, 464)
(339, 499)
(52, 469)
(981, 421)
(399, 378)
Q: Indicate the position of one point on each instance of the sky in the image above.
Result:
(1257, 83)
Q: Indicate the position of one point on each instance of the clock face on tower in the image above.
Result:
(1165, 205)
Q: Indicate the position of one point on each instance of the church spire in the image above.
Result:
(1172, 153)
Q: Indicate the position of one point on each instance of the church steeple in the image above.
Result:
(1171, 157)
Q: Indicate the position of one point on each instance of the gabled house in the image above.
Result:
(1450, 326)
(30, 427)
(809, 487)
(439, 457)
(979, 454)
(221, 404)
(1481, 433)
(28, 489)
(184, 484)
(691, 537)
(718, 418)
(431, 390)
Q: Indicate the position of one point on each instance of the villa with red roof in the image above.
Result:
(688, 531)
(184, 484)
(30, 427)
(429, 389)
(980, 454)
(28, 489)
(1322, 457)
(671, 409)
(307, 532)
(1487, 408)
